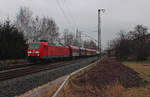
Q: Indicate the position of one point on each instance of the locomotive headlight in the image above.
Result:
(37, 52)
(29, 52)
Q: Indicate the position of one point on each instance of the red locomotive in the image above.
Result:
(41, 50)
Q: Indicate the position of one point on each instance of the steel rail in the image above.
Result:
(33, 69)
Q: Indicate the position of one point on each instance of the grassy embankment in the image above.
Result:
(143, 68)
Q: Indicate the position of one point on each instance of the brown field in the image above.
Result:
(109, 78)
(143, 68)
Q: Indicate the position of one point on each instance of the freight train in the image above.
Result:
(42, 50)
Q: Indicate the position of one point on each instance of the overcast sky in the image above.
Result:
(82, 14)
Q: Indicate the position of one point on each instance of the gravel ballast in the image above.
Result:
(21, 85)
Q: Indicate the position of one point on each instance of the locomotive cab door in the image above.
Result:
(45, 51)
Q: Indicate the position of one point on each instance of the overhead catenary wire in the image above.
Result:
(70, 14)
(64, 14)
(69, 17)
(89, 37)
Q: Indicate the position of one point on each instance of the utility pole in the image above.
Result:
(99, 29)
(78, 36)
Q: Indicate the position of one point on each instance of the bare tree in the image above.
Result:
(49, 30)
(90, 44)
(68, 37)
(35, 28)
(78, 39)
(24, 21)
(65, 36)
(140, 43)
(134, 44)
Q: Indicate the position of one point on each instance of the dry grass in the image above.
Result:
(50, 88)
(143, 68)
(73, 90)
(115, 89)
(50, 92)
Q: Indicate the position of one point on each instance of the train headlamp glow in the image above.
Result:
(29, 52)
(37, 52)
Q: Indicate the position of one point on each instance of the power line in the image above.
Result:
(71, 16)
(90, 37)
(63, 12)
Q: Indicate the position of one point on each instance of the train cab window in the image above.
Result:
(34, 46)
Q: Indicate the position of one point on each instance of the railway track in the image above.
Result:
(10, 74)
(22, 65)
(15, 66)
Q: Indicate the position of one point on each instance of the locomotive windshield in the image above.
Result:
(34, 46)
